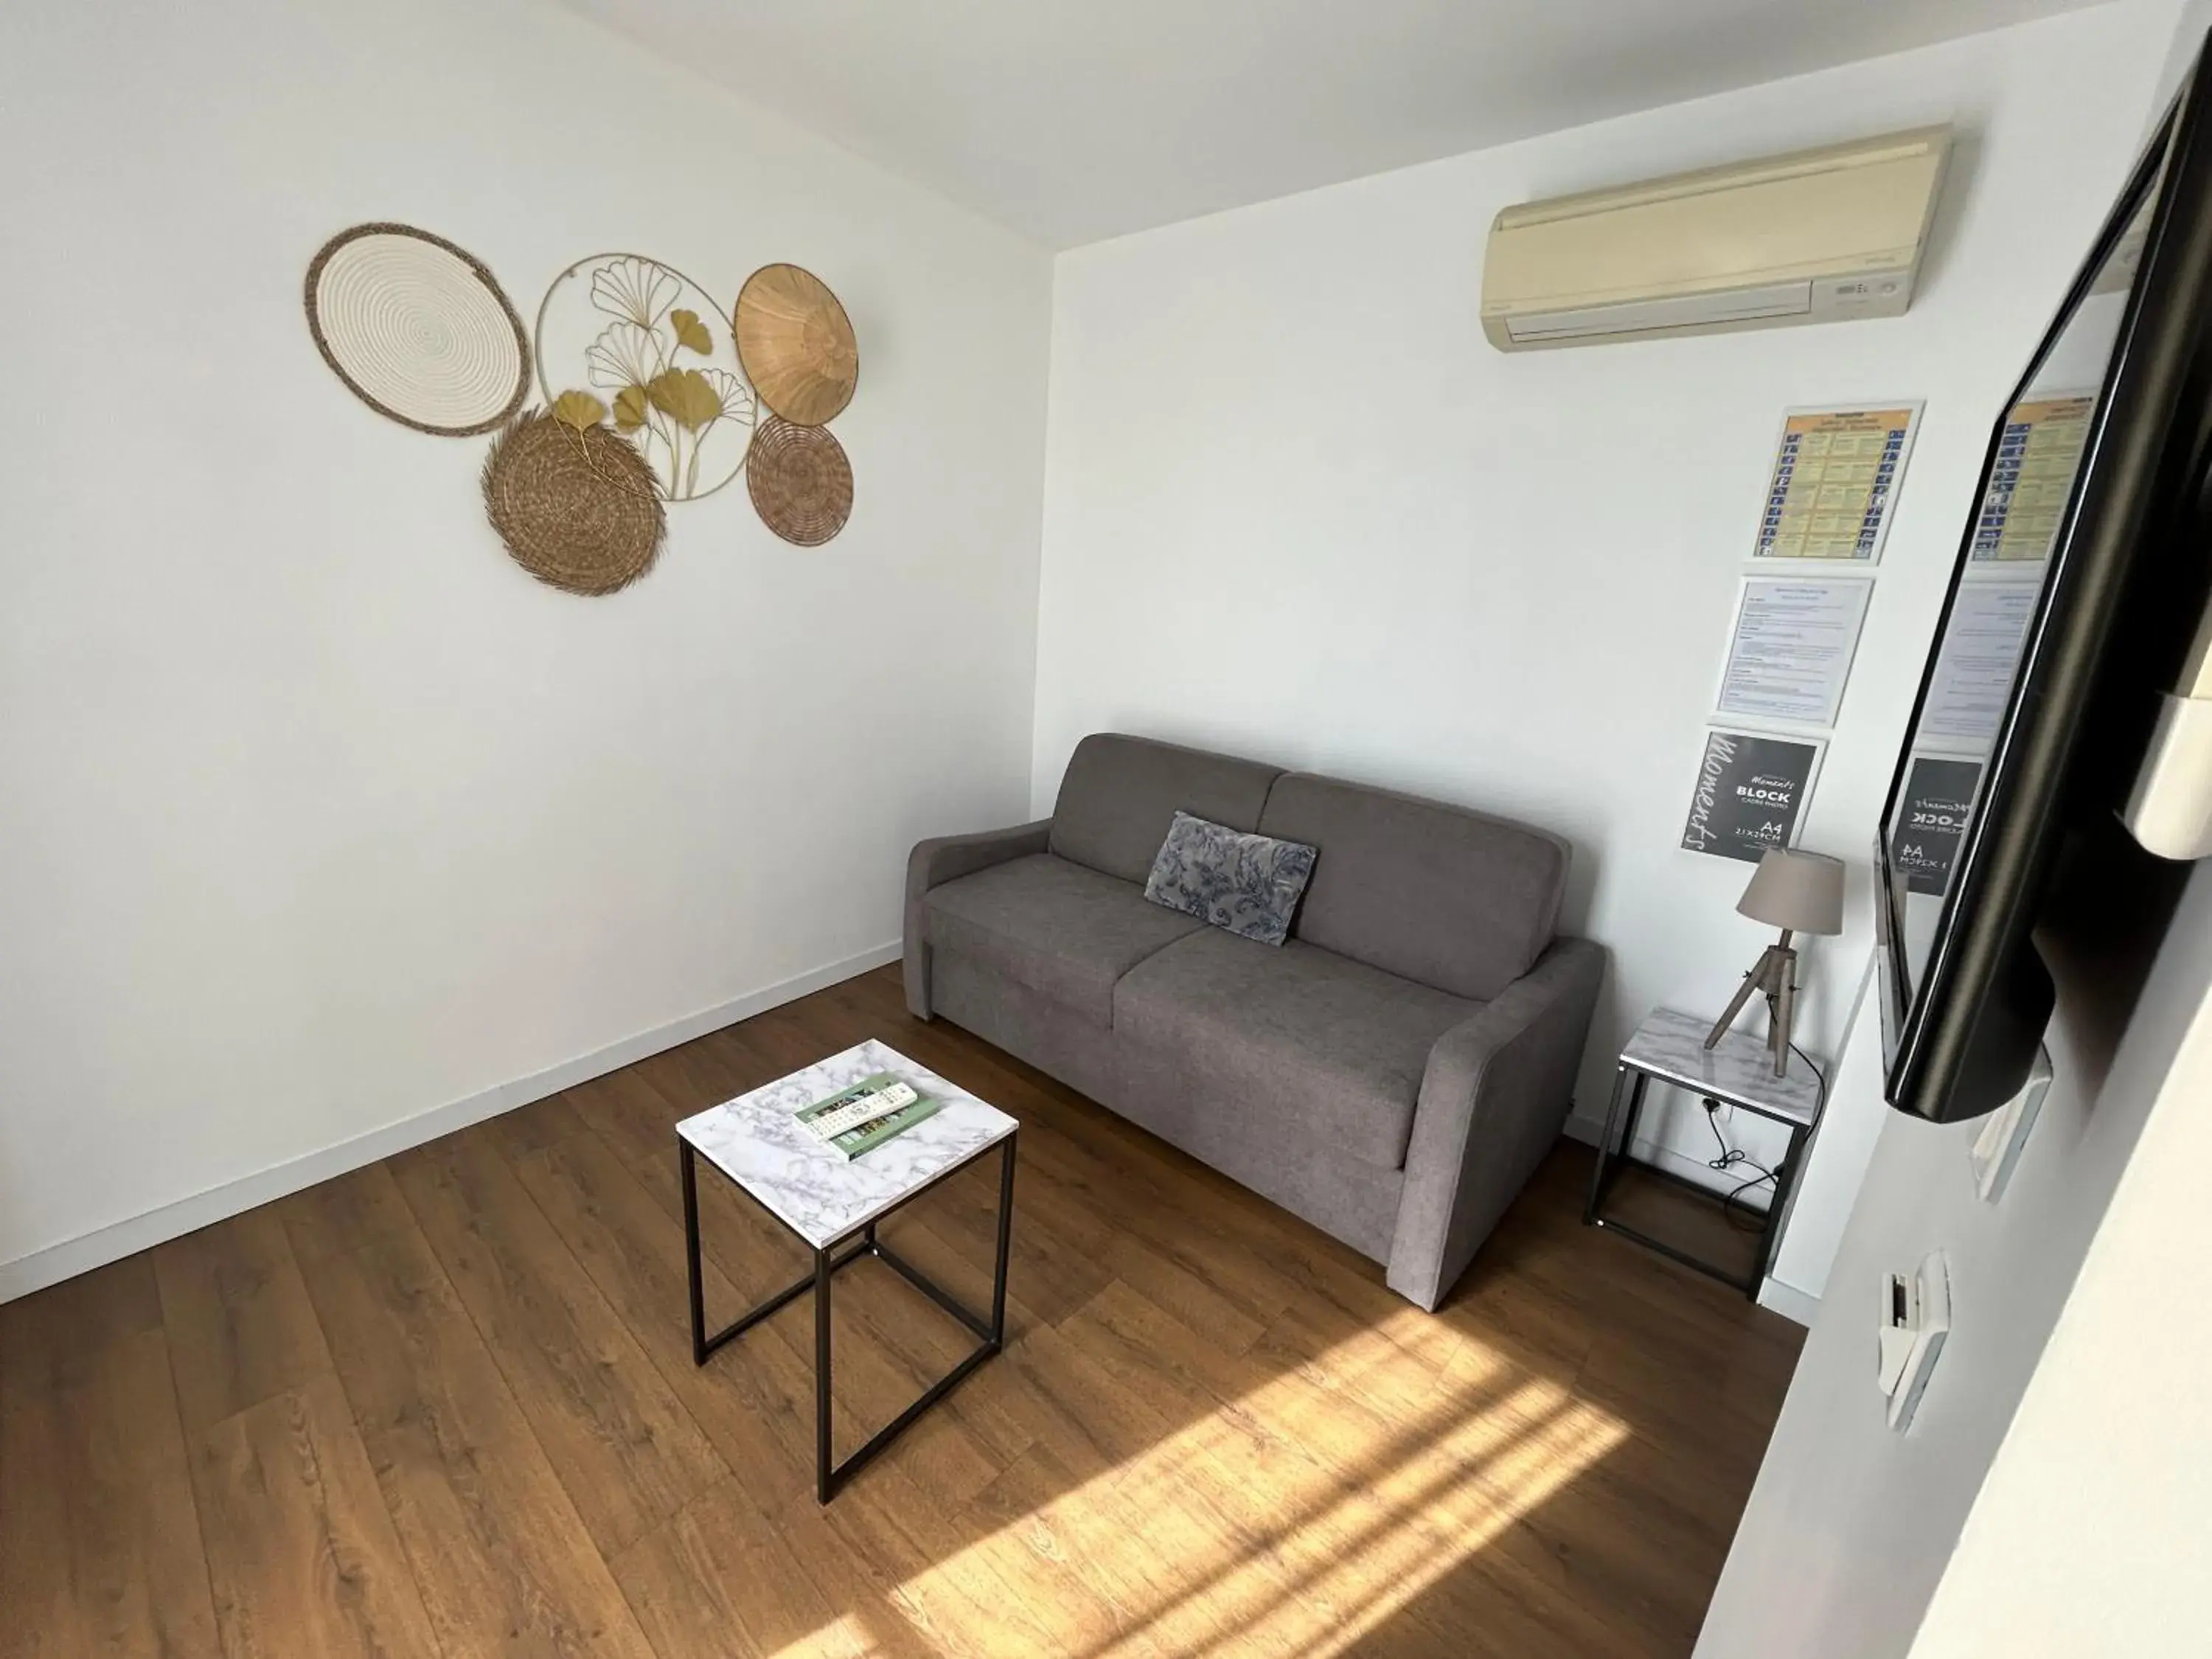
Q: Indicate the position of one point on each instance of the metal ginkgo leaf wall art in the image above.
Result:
(629, 341)
(651, 394)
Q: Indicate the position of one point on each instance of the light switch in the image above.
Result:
(1916, 1318)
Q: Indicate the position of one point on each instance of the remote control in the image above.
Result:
(862, 1109)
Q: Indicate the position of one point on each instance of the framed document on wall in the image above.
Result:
(1790, 652)
(1751, 792)
(1835, 478)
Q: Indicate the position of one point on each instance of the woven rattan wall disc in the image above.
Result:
(801, 482)
(577, 508)
(418, 328)
(796, 345)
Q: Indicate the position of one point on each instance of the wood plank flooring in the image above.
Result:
(445, 1405)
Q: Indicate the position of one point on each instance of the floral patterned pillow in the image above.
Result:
(1249, 884)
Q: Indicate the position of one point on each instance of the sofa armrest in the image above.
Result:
(1492, 1102)
(947, 858)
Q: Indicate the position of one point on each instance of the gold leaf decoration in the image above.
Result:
(644, 340)
(685, 396)
(579, 408)
(691, 331)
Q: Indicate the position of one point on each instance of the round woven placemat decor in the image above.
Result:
(418, 328)
(796, 345)
(576, 509)
(801, 482)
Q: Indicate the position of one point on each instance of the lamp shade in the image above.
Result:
(1800, 891)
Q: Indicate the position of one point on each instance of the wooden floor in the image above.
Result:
(445, 1405)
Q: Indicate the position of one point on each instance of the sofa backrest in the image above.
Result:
(1120, 794)
(1429, 892)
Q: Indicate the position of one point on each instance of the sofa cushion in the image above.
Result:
(1064, 931)
(1119, 793)
(1249, 883)
(1300, 1036)
(1455, 900)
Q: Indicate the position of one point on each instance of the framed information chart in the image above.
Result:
(1791, 651)
(2039, 451)
(1836, 474)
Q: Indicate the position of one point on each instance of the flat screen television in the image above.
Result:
(2080, 577)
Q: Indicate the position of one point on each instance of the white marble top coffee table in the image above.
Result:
(1669, 1046)
(825, 1200)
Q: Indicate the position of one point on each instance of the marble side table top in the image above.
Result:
(1739, 1070)
(819, 1194)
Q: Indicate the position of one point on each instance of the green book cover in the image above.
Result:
(868, 1136)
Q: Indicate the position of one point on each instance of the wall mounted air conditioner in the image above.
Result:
(1819, 236)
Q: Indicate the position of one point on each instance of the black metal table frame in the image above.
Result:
(829, 1476)
(1609, 1164)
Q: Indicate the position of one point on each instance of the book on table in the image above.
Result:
(859, 1118)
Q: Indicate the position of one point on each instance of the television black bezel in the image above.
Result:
(1960, 1039)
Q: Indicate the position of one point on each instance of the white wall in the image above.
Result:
(316, 813)
(2054, 1497)
(1850, 1125)
(1295, 506)
(1850, 1525)
(2092, 1532)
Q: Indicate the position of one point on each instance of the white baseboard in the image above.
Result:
(113, 1243)
(1785, 1299)
(1788, 1301)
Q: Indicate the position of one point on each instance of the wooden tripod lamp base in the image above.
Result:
(1799, 893)
(1776, 975)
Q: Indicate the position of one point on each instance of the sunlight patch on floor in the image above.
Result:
(1324, 1502)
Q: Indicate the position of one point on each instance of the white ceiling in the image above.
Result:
(1070, 122)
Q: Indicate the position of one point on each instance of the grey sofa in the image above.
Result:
(1393, 1072)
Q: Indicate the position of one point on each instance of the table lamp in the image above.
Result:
(1799, 893)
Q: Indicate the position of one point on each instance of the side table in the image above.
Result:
(1738, 1071)
(828, 1201)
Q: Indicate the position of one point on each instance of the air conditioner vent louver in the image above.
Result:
(1822, 235)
